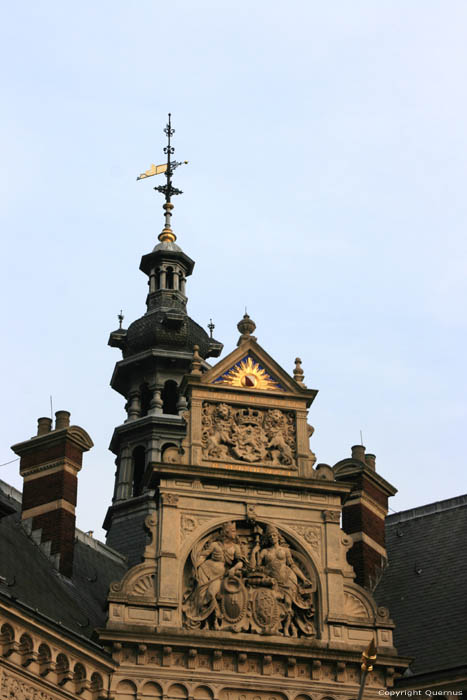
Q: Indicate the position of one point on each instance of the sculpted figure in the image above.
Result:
(217, 436)
(248, 582)
(276, 561)
(218, 558)
(277, 432)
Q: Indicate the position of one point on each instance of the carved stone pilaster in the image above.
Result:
(217, 660)
(142, 655)
(192, 658)
(316, 670)
(242, 663)
(291, 667)
(341, 675)
(167, 656)
(267, 665)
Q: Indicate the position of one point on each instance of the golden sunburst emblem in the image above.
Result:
(250, 375)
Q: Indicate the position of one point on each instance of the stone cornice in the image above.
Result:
(208, 640)
(161, 470)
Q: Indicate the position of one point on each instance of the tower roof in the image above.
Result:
(166, 325)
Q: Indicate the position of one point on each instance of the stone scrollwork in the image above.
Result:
(189, 523)
(245, 577)
(311, 534)
(248, 434)
(11, 687)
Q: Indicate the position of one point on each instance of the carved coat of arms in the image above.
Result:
(248, 434)
(249, 580)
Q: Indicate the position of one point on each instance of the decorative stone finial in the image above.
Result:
(298, 373)
(246, 327)
(196, 362)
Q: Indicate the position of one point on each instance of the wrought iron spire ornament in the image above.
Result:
(168, 190)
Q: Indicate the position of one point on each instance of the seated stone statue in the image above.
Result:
(218, 558)
(275, 560)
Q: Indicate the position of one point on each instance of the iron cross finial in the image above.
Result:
(168, 189)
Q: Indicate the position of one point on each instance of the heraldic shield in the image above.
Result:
(247, 577)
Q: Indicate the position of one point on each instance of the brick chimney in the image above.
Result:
(364, 513)
(49, 465)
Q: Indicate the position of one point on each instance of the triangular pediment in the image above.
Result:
(249, 367)
(249, 374)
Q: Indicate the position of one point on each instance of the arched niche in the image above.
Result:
(62, 663)
(126, 690)
(138, 457)
(146, 396)
(177, 691)
(97, 682)
(151, 691)
(79, 672)
(169, 278)
(202, 692)
(169, 396)
(7, 632)
(257, 568)
(44, 653)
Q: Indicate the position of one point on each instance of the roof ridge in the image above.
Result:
(11, 492)
(428, 509)
(96, 544)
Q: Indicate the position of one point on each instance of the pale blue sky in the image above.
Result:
(325, 191)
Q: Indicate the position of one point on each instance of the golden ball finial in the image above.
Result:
(167, 235)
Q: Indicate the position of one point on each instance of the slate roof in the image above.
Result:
(424, 584)
(29, 580)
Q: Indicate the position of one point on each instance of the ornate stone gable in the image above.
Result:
(250, 368)
(245, 413)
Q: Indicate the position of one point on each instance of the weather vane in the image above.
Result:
(168, 190)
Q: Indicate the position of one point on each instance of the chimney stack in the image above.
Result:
(49, 465)
(364, 514)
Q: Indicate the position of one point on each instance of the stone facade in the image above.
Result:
(245, 590)
(238, 583)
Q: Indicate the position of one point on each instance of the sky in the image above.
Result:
(325, 191)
